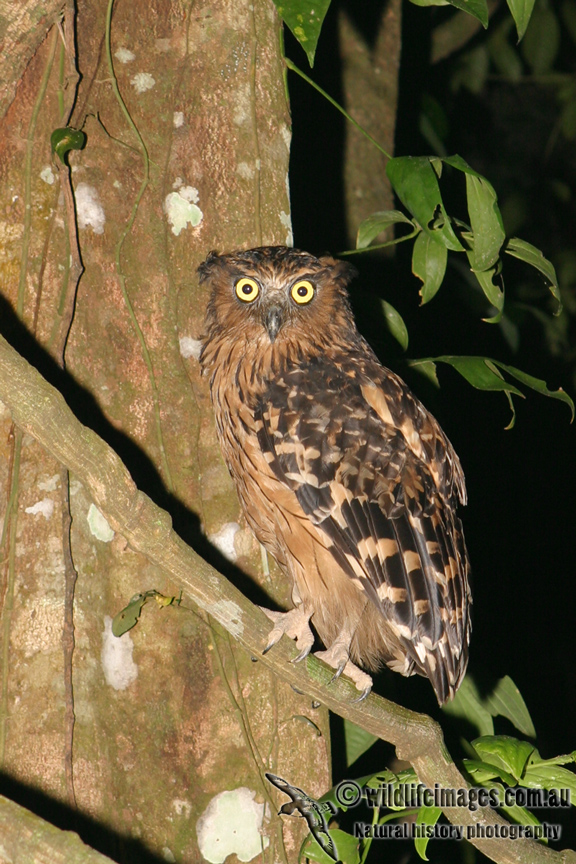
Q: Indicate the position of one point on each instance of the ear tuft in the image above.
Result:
(341, 271)
(206, 267)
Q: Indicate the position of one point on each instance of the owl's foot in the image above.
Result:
(338, 657)
(296, 625)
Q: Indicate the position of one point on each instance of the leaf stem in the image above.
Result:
(393, 242)
(121, 241)
(333, 102)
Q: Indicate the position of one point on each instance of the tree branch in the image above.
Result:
(39, 409)
(28, 839)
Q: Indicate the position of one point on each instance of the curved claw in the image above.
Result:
(269, 646)
(364, 695)
(303, 654)
(296, 625)
(339, 671)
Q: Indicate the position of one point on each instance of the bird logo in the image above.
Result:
(315, 813)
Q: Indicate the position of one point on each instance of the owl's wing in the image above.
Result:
(374, 471)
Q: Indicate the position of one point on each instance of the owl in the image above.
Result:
(343, 475)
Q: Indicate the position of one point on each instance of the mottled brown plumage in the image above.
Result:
(343, 475)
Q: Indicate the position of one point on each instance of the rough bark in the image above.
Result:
(187, 150)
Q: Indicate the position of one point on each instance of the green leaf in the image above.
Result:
(416, 183)
(504, 752)
(506, 700)
(477, 8)
(542, 40)
(426, 816)
(395, 324)
(128, 617)
(426, 368)
(545, 776)
(484, 374)
(477, 372)
(485, 220)
(346, 845)
(505, 58)
(492, 291)
(515, 812)
(533, 256)
(429, 260)
(521, 816)
(521, 11)
(468, 704)
(482, 772)
(472, 70)
(537, 384)
(304, 18)
(357, 741)
(563, 759)
(65, 139)
(376, 224)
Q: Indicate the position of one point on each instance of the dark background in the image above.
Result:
(520, 521)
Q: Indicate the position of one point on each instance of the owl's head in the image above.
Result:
(275, 292)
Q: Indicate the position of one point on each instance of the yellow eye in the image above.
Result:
(302, 292)
(247, 290)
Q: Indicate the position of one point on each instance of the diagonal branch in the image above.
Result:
(39, 409)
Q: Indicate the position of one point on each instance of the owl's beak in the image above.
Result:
(273, 320)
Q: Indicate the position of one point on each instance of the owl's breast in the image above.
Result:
(236, 388)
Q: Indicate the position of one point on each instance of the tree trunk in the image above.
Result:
(188, 136)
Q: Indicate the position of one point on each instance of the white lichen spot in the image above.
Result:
(142, 82)
(245, 170)
(47, 175)
(116, 657)
(287, 223)
(224, 540)
(231, 824)
(89, 209)
(75, 487)
(117, 184)
(49, 485)
(229, 613)
(189, 193)
(243, 108)
(178, 119)
(182, 807)
(168, 855)
(124, 55)
(98, 525)
(43, 508)
(286, 135)
(190, 347)
(182, 210)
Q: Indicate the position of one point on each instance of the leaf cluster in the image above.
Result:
(495, 763)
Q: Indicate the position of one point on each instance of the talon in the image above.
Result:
(362, 696)
(296, 625)
(339, 671)
(269, 646)
(337, 656)
(303, 654)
